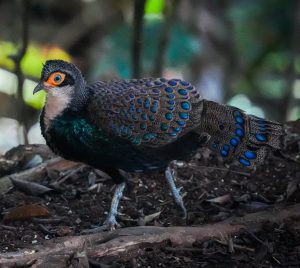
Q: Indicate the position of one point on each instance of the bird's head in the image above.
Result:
(59, 77)
(63, 82)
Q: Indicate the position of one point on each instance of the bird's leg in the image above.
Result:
(175, 191)
(110, 223)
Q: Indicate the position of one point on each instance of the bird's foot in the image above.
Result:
(176, 192)
(110, 224)
(179, 201)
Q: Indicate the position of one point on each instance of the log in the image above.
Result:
(129, 242)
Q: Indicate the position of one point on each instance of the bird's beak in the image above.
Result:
(40, 86)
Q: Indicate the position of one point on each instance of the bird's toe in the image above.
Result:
(110, 224)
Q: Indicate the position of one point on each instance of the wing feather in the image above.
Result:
(149, 112)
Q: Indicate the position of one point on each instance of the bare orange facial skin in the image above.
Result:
(55, 79)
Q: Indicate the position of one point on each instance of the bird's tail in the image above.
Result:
(237, 136)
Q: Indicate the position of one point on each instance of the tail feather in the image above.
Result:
(239, 137)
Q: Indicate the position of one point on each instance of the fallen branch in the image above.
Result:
(127, 243)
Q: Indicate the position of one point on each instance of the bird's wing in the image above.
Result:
(148, 112)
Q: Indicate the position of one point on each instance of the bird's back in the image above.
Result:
(146, 112)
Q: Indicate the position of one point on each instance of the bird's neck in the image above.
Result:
(55, 105)
(58, 103)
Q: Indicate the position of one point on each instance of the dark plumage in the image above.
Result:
(142, 125)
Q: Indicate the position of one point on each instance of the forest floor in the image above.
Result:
(212, 194)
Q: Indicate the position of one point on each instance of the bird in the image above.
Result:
(142, 125)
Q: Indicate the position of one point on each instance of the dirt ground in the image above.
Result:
(211, 194)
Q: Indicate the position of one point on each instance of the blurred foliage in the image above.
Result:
(183, 46)
(31, 66)
(154, 7)
(263, 32)
(33, 60)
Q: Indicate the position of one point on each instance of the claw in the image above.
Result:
(110, 224)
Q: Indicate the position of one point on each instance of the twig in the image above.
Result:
(137, 37)
(18, 70)
(69, 175)
(25, 14)
(170, 15)
(235, 245)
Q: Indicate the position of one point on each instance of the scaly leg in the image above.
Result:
(111, 223)
(175, 191)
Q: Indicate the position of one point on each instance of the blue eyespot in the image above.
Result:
(172, 83)
(234, 141)
(153, 109)
(260, 137)
(169, 116)
(169, 89)
(250, 155)
(239, 119)
(146, 136)
(180, 123)
(146, 103)
(183, 115)
(151, 117)
(136, 140)
(184, 83)
(226, 147)
(185, 105)
(143, 126)
(164, 126)
(239, 132)
(244, 162)
(182, 92)
(144, 116)
(177, 129)
(173, 134)
(224, 153)
(237, 113)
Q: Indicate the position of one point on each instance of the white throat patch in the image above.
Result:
(57, 100)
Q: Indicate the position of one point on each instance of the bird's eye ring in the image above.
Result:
(56, 78)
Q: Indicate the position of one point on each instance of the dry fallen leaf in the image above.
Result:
(26, 212)
(30, 188)
(63, 165)
(151, 217)
(220, 199)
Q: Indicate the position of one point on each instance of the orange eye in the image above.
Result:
(56, 78)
